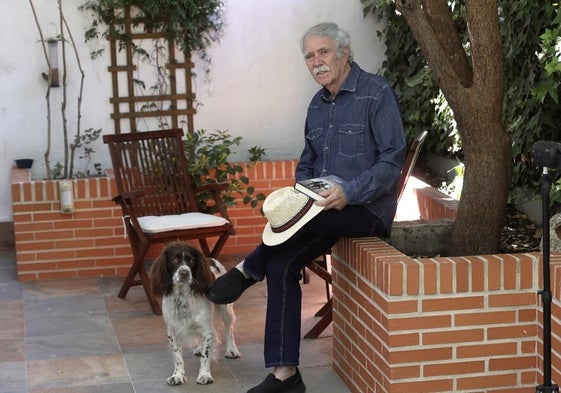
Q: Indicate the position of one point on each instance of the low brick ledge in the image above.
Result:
(463, 324)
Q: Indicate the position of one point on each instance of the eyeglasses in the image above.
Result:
(322, 54)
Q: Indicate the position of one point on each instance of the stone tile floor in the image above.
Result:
(77, 336)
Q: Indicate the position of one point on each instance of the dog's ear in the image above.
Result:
(159, 275)
(203, 277)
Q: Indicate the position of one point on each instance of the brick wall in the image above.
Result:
(90, 242)
(465, 324)
(52, 245)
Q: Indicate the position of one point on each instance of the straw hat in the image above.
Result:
(286, 210)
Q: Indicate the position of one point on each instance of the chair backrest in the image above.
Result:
(152, 165)
(410, 161)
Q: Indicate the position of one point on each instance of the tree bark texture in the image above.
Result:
(473, 87)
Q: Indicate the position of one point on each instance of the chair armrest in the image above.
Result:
(212, 187)
(125, 196)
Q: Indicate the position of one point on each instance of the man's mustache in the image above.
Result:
(322, 68)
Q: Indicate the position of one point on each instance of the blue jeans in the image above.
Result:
(282, 265)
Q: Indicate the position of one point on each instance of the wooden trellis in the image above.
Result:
(135, 105)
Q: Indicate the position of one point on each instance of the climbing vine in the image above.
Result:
(531, 34)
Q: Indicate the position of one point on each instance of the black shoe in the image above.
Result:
(229, 287)
(271, 384)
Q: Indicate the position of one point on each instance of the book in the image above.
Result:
(312, 187)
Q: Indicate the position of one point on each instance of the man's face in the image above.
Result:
(326, 68)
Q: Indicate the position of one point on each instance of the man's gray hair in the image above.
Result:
(330, 30)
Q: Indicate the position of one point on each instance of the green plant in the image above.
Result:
(208, 156)
(531, 34)
(192, 24)
(454, 188)
(150, 36)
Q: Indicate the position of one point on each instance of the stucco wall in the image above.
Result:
(258, 87)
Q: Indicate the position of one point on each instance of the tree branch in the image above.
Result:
(47, 153)
(438, 59)
(486, 45)
(440, 18)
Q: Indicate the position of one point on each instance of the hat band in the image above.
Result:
(294, 219)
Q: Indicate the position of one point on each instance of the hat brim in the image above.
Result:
(271, 238)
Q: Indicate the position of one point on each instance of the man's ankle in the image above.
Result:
(284, 372)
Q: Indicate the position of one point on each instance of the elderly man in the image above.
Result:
(353, 131)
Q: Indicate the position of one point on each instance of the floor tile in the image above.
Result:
(77, 372)
(125, 387)
(78, 336)
(10, 290)
(13, 376)
(71, 346)
(75, 324)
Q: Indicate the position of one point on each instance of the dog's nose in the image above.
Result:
(184, 273)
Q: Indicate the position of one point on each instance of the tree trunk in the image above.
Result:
(475, 95)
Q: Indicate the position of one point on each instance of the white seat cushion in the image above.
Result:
(156, 224)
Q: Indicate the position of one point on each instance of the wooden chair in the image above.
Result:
(158, 200)
(320, 266)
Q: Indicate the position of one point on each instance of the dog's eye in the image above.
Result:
(177, 258)
(189, 260)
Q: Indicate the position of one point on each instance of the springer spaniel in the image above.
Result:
(181, 275)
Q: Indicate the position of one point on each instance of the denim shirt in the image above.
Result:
(358, 136)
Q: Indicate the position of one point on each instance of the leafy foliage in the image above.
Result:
(531, 34)
(208, 156)
(84, 146)
(192, 24)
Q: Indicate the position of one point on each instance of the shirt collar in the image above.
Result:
(348, 85)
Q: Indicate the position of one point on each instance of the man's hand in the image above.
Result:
(334, 198)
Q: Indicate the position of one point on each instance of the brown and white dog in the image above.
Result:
(181, 276)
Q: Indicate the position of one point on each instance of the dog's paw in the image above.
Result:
(175, 380)
(232, 353)
(204, 379)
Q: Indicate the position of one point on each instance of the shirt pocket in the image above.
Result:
(351, 139)
(314, 138)
(314, 134)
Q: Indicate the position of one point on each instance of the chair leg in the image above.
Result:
(305, 275)
(320, 268)
(218, 245)
(323, 310)
(139, 268)
(129, 280)
(154, 303)
(323, 323)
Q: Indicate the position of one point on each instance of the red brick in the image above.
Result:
(487, 381)
(452, 303)
(446, 276)
(452, 336)
(454, 368)
(421, 354)
(423, 386)
(494, 278)
(429, 276)
(485, 318)
(420, 322)
(518, 331)
(512, 299)
(512, 363)
(486, 350)
(477, 275)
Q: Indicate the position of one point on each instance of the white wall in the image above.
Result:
(258, 87)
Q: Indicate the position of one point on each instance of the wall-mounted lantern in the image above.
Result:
(53, 59)
(66, 196)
